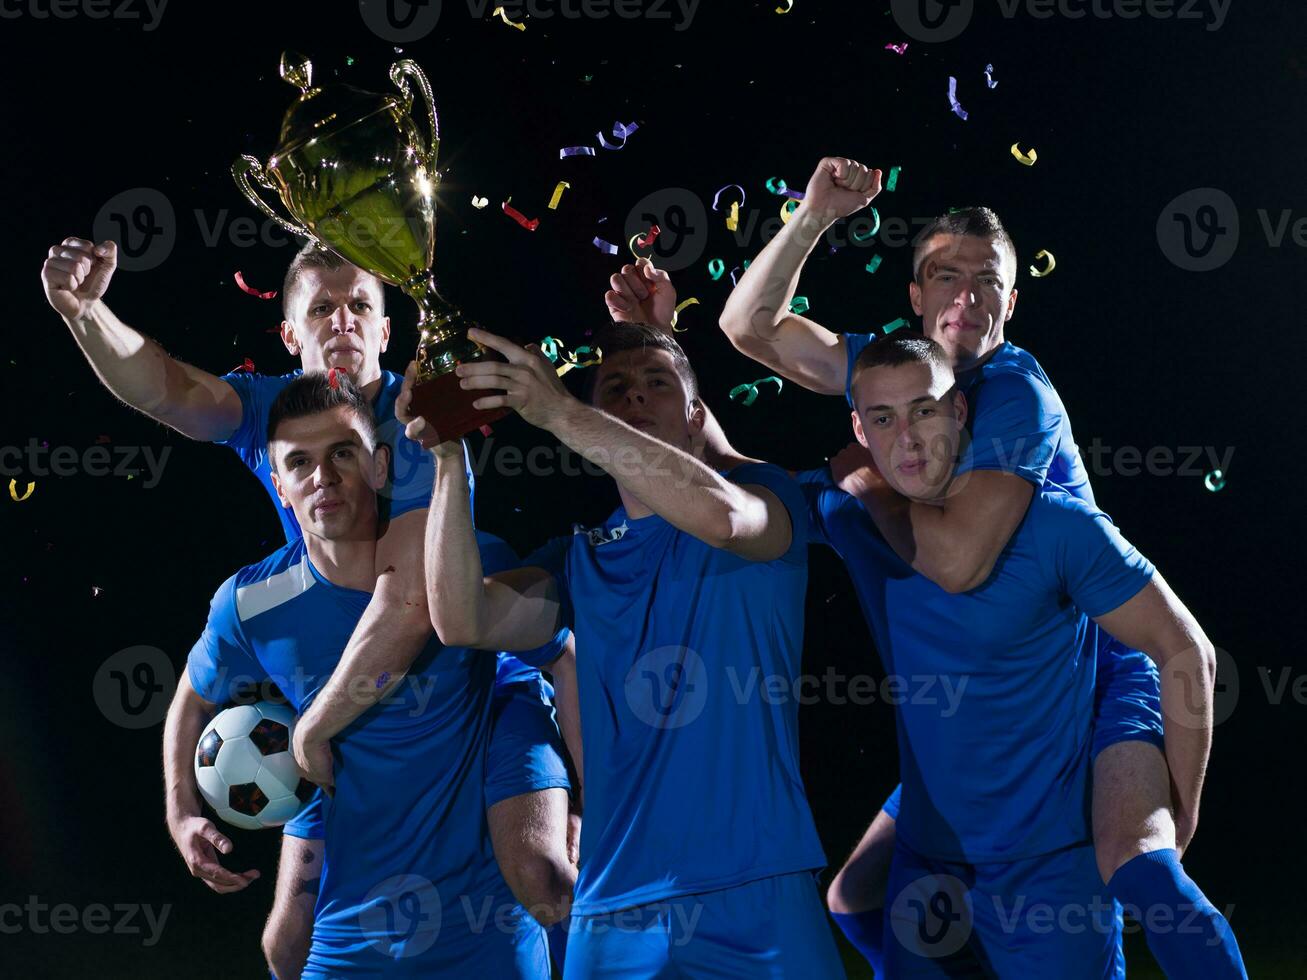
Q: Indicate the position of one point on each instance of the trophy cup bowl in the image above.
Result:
(356, 177)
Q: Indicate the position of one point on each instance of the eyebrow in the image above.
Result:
(339, 444)
(916, 401)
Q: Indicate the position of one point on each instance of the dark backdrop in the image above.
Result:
(1127, 116)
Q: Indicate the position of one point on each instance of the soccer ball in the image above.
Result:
(246, 769)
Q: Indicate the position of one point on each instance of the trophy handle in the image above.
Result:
(400, 72)
(241, 171)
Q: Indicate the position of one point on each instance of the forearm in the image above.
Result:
(181, 733)
(129, 364)
(1188, 682)
(672, 483)
(567, 705)
(454, 578)
(761, 298)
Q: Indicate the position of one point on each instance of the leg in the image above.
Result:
(529, 833)
(856, 895)
(289, 929)
(930, 918)
(628, 945)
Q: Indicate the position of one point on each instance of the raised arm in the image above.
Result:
(757, 316)
(134, 368)
(1158, 623)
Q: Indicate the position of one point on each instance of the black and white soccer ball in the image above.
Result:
(246, 769)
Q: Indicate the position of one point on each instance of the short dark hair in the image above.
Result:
(320, 391)
(616, 338)
(312, 257)
(976, 222)
(901, 347)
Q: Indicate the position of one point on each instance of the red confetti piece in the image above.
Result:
(246, 288)
(530, 224)
(332, 380)
(248, 366)
(649, 239)
(897, 48)
(485, 430)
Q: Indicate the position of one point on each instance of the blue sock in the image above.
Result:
(866, 930)
(1188, 936)
(557, 937)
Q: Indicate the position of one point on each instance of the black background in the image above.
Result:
(1126, 115)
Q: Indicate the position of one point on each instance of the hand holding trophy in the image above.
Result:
(352, 170)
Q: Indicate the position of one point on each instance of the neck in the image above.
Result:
(978, 361)
(347, 562)
(634, 508)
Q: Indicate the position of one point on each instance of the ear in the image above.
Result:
(288, 338)
(385, 333)
(914, 297)
(857, 430)
(380, 466)
(960, 408)
(281, 491)
(697, 416)
(1011, 304)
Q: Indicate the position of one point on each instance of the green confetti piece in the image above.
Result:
(1214, 481)
(549, 347)
(776, 185)
(874, 228)
(749, 390)
(874, 264)
(799, 305)
(893, 325)
(893, 182)
(716, 269)
(349, 59)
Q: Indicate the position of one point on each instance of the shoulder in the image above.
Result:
(1055, 513)
(282, 576)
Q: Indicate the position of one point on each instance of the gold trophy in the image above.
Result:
(351, 168)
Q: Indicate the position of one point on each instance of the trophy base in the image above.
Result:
(447, 407)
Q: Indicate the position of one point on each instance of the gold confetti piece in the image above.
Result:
(1052, 264)
(502, 15)
(788, 209)
(1027, 158)
(789, 5)
(13, 490)
(676, 313)
(479, 202)
(733, 219)
(558, 194)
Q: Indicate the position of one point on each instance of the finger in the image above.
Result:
(215, 837)
(416, 430)
(72, 266)
(514, 353)
(108, 251)
(633, 278)
(218, 875)
(651, 273)
(493, 401)
(477, 368)
(80, 243)
(623, 288)
(616, 301)
(500, 381)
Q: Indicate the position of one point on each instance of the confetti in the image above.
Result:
(989, 77)
(874, 264)
(485, 430)
(960, 112)
(733, 219)
(604, 246)
(716, 200)
(576, 151)
(574, 359)
(775, 185)
(530, 224)
(561, 186)
(1027, 158)
(894, 325)
(893, 183)
(621, 131)
(649, 239)
(333, 377)
(799, 305)
(96, 592)
(247, 366)
(897, 48)
(789, 5)
(503, 15)
(716, 269)
(384, 679)
(676, 313)
(787, 211)
(747, 393)
(1052, 264)
(549, 347)
(349, 60)
(479, 202)
(245, 288)
(1214, 481)
(744, 268)
(874, 228)
(13, 490)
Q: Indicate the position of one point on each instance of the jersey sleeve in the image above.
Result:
(1016, 422)
(413, 472)
(854, 344)
(222, 660)
(823, 498)
(787, 490)
(256, 392)
(497, 556)
(1097, 568)
(309, 823)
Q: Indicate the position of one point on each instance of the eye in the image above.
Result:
(658, 382)
(344, 454)
(880, 420)
(295, 464)
(320, 310)
(925, 412)
(989, 280)
(363, 305)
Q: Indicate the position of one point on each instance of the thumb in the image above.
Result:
(214, 836)
(106, 261)
(650, 272)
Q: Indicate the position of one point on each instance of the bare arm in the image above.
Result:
(1157, 622)
(197, 839)
(757, 316)
(568, 705)
(133, 367)
(288, 933)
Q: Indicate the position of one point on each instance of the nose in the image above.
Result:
(343, 321)
(634, 396)
(905, 436)
(325, 475)
(966, 294)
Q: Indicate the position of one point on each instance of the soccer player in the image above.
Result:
(409, 883)
(334, 319)
(1145, 787)
(698, 849)
(996, 790)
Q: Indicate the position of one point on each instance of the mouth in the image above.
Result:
(642, 424)
(327, 507)
(343, 351)
(912, 467)
(961, 326)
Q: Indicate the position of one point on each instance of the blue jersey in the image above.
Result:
(687, 660)
(409, 773)
(994, 725)
(1015, 420)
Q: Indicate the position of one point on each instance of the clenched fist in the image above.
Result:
(839, 187)
(77, 273)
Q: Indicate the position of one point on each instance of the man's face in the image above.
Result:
(337, 322)
(643, 389)
(910, 418)
(324, 471)
(965, 295)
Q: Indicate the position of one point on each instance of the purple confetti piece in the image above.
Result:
(989, 78)
(604, 246)
(953, 99)
(897, 48)
(383, 680)
(622, 131)
(718, 196)
(796, 195)
(576, 151)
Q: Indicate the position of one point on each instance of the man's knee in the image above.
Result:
(861, 884)
(544, 886)
(1132, 805)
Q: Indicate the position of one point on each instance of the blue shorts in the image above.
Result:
(1046, 916)
(1127, 697)
(772, 927)
(526, 751)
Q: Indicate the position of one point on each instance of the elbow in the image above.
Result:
(455, 627)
